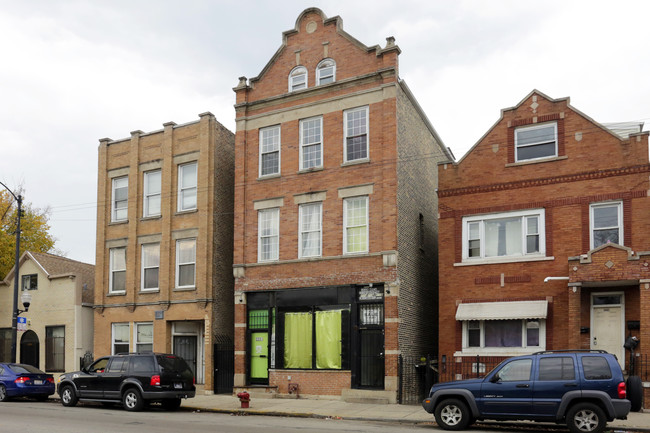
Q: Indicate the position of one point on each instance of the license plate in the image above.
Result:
(178, 385)
(38, 382)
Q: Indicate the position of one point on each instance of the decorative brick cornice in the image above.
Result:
(530, 183)
(496, 279)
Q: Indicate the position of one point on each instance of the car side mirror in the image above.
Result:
(84, 369)
(495, 378)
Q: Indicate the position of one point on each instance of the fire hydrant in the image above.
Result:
(244, 399)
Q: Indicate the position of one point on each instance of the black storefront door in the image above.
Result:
(371, 358)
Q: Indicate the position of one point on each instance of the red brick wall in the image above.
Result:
(310, 382)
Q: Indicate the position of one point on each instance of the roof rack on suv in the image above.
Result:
(570, 351)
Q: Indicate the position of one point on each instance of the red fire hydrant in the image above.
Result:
(244, 399)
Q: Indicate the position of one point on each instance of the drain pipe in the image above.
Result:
(547, 279)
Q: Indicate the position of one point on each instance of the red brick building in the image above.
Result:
(335, 231)
(544, 237)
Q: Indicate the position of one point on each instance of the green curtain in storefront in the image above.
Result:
(297, 340)
(328, 339)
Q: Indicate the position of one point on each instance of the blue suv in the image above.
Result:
(583, 389)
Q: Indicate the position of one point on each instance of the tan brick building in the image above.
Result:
(335, 219)
(544, 237)
(164, 243)
(59, 326)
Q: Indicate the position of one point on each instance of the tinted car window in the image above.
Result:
(24, 368)
(516, 370)
(173, 363)
(557, 368)
(99, 366)
(118, 365)
(142, 364)
(596, 367)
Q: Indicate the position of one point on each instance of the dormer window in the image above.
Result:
(298, 78)
(326, 72)
(536, 142)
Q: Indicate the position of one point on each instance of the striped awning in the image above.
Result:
(502, 310)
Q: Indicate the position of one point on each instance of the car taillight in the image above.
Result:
(622, 393)
(155, 380)
(21, 379)
(193, 380)
(50, 380)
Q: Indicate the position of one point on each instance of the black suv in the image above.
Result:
(133, 379)
(583, 389)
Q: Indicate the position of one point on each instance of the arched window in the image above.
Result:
(326, 72)
(298, 78)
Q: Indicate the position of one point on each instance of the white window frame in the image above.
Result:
(112, 269)
(322, 65)
(619, 206)
(303, 144)
(148, 195)
(523, 214)
(276, 150)
(346, 226)
(274, 213)
(182, 189)
(114, 201)
(298, 71)
(530, 128)
(346, 136)
(301, 209)
(144, 267)
(128, 334)
(138, 343)
(482, 350)
(179, 263)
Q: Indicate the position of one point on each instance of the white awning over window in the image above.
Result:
(502, 310)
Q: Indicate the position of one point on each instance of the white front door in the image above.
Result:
(607, 318)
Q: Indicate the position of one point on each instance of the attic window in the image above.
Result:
(30, 282)
(536, 142)
(298, 78)
(326, 72)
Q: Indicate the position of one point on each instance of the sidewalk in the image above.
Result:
(638, 421)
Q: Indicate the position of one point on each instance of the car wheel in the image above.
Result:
(452, 414)
(171, 403)
(132, 400)
(3, 393)
(68, 397)
(586, 418)
(634, 388)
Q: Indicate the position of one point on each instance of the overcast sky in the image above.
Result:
(73, 72)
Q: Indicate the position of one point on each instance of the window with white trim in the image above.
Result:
(298, 78)
(120, 341)
(150, 266)
(355, 232)
(187, 181)
(310, 234)
(326, 72)
(504, 235)
(311, 143)
(120, 201)
(606, 221)
(117, 274)
(151, 193)
(270, 150)
(185, 263)
(536, 142)
(268, 244)
(356, 134)
(143, 337)
(504, 335)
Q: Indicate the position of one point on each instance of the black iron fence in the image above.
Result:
(465, 367)
(641, 367)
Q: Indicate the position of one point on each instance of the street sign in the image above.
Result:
(21, 324)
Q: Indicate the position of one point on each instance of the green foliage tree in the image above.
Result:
(34, 231)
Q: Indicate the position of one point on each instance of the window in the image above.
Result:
(270, 151)
(268, 244)
(144, 337)
(30, 282)
(120, 342)
(117, 276)
(503, 334)
(151, 205)
(355, 216)
(506, 235)
(326, 72)
(187, 175)
(298, 78)
(5, 344)
(315, 339)
(596, 368)
(310, 216)
(356, 134)
(311, 149)
(536, 142)
(150, 266)
(557, 368)
(516, 371)
(55, 348)
(120, 202)
(606, 223)
(118, 365)
(185, 262)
